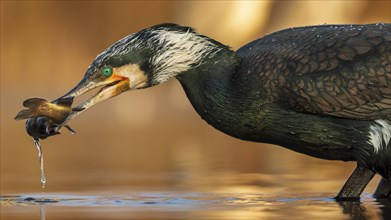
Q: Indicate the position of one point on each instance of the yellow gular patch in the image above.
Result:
(137, 78)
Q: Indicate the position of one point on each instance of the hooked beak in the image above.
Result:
(123, 78)
(110, 87)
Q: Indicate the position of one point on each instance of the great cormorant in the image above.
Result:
(324, 91)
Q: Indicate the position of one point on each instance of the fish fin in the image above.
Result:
(31, 103)
(24, 114)
(66, 102)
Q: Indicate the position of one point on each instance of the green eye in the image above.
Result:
(107, 71)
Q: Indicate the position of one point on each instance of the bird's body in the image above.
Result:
(324, 91)
(317, 90)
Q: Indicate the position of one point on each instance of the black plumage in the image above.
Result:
(314, 90)
(339, 70)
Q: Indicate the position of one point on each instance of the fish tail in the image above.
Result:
(24, 114)
(33, 102)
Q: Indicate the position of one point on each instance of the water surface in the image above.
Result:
(189, 205)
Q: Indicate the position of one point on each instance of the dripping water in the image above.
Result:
(40, 155)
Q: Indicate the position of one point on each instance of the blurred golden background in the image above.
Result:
(149, 137)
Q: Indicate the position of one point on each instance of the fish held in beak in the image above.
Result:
(111, 82)
(40, 107)
(45, 119)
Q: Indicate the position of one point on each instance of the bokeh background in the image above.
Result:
(148, 138)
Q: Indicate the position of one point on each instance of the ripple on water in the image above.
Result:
(158, 199)
(147, 199)
(205, 205)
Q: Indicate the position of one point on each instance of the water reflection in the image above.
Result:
(189, 205)
(42, 212)
(360, 210)
(354, 209)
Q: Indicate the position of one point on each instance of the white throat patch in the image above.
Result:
(180, 52)
(379, 134)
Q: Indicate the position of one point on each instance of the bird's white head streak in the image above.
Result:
(180, 51)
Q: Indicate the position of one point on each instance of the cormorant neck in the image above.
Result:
(215, 68)
(209, 88)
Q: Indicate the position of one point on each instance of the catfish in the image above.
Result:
(44, 118)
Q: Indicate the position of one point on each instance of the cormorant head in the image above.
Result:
(144, 59)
